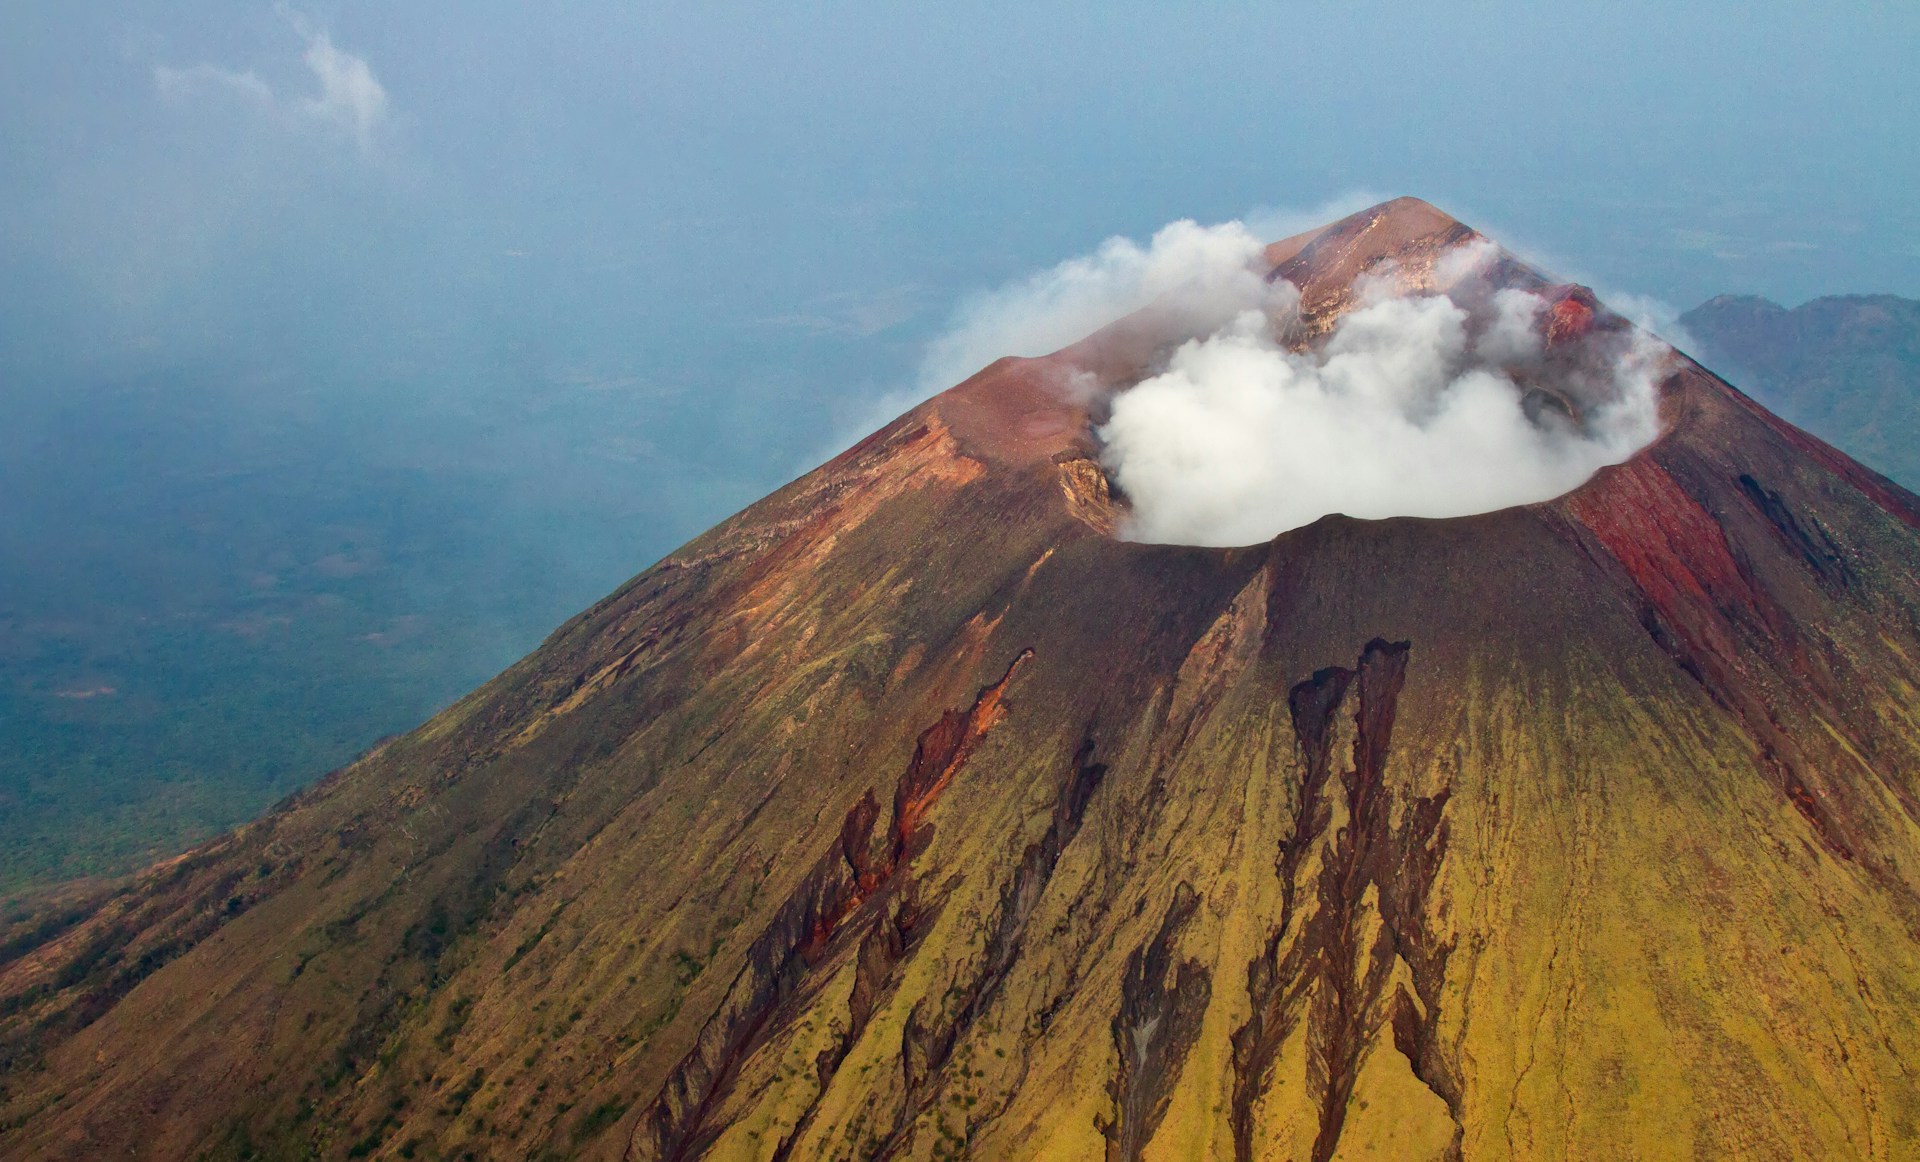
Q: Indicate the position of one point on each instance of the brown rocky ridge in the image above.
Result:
(910, 813)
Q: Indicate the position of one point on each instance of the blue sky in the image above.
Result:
(643, 261)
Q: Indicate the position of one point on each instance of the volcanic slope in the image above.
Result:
(911, 814)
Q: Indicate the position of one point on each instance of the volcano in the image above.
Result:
(913, 813)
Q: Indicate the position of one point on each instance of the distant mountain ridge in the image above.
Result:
(1844, 367)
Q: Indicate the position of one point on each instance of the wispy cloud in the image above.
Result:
(347, 98)
(177, 83)
(1212, 270)
(350, 95)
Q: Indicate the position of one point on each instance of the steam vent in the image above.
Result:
(915, 813)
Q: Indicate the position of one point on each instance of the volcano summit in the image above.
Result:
(918, 812)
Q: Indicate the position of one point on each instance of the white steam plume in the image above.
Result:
(1208, 270)
(1413, 407)
(1417, 404)
(1213, 272)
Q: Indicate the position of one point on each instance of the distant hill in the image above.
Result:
(1845, 367)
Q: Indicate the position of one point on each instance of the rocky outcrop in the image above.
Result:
(850, 878)
(1360, 955)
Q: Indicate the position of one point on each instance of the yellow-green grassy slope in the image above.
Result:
(909, 814)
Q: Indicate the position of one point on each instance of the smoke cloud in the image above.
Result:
(1416, 404)
(1211, 272)
(1412, 407)
(1208, 270)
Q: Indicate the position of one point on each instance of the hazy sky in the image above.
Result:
(642, 261)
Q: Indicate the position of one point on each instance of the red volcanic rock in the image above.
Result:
(1570, 314)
